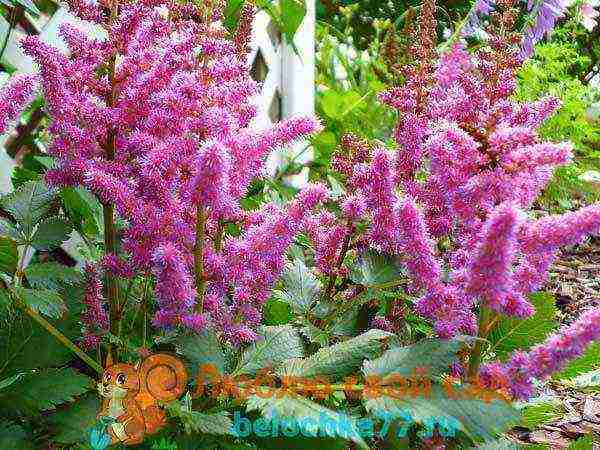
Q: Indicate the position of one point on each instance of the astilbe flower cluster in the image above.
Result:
(451, 202)
(155, 119)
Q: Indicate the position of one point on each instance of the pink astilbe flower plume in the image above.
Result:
(95, 316)
(154, 119)
(15, 97)
(518, 373)
(489, 275)
(450, 203)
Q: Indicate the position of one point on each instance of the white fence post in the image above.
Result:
(287, 79)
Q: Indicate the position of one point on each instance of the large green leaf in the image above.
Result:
(480, 419)
(51, 275)
(324, 421)
(196, 421)
(72, 422)
(199, 349)
(278, 344)
(29, 203)
(25, 345)
(375, 269)
(45, 390)
(590, 361)
(584, 443)
(232, 13)
(512, 333)
(339, 359)
(51, 233)
(9, 230)
(28, 5)
(44, 301)
(538, 414)
(8, 255)
(434, 355)
(83, 209)
(13, 437)
(292, 15)
(500, 444)
(300, 286)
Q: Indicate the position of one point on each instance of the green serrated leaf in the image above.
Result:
(292, 15)
(51, 275)
(584, 443)
(44, 301)
(232, 13)
(71, 424)
(300, 286)
(500, 444)
(479, 419)
(324, 421)
(536, 415)
(51, 233)
(279, 344)
(8, 255)
(277, 313)
(375, 269)
(589, 362)
(511, 334)
(29, 203)
(201, 349)
(21, 340)
(8, 230)
(45, 390)
(434, 355)
(21, 175)
(339, 359)
(83, 209)
(28, 5)
(13, 437)
(195, 421)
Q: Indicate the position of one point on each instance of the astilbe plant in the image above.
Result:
(452, 203)
(155, 119)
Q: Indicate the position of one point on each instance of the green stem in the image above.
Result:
(199, 257)
(17, 279)
(11, 26)
(54, 331)
(62, 338)
(485, 318)
(110, 235)
(110, 244)
(340, 261)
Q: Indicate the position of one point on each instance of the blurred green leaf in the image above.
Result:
(8, 255)
(436, 356)
(44, 301)
(45, 390)
(29, 203)
(278, 344)
(511, 333)
(51, 275)
(339, 359)
(83, 209)
(300, 287)
(71, 424)
(51, 233)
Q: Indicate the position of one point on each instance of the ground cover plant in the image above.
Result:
(227, 299)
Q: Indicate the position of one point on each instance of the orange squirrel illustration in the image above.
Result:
(131, 395)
